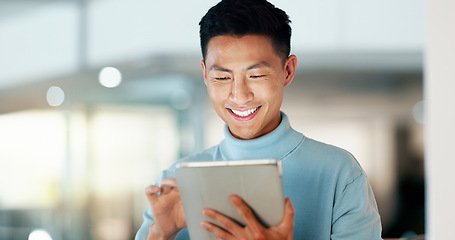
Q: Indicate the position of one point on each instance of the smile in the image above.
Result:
(244, 113)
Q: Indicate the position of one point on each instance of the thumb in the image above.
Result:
(287, 222)
(151, 192)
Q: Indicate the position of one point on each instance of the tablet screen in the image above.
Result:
(209, 184)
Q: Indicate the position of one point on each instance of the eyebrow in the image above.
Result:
(258, 65)
(218, 68)
(254, 66)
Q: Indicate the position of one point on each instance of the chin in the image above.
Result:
(245, 135)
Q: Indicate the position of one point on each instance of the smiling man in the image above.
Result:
(245, 78)
(246, 66)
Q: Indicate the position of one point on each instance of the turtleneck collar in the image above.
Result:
(276, 144)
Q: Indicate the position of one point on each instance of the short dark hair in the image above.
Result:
(242, 17)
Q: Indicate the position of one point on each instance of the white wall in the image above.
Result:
(38, 43)
(44, 41)
(355, 25)
(440, 117)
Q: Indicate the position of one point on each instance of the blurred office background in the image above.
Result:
(98, 96)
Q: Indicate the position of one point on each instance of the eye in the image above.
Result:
(222, 78)
(257, 76)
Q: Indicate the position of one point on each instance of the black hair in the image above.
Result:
(242, 17)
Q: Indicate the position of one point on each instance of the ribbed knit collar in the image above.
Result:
(276, 144)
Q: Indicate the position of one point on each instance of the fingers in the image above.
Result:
(245, 212)
(229, 229)
(223, 221)
(172, 182)
(167, 185)
(220, 233)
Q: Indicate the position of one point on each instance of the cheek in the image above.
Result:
(273, 93)
(217, 92)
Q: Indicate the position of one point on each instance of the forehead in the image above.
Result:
(237, 48)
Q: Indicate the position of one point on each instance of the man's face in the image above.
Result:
(245, 79)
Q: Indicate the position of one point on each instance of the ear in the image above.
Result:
(289, 68)
(203, 72)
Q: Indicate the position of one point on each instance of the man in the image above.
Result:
(246, 65)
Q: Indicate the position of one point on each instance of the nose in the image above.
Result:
(241, 93)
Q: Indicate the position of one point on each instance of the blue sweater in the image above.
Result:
(328, 188)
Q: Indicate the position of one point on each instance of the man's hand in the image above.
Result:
(167, 210)
(253, 229)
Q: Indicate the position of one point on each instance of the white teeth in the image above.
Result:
(244, 113)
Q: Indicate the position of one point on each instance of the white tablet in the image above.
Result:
(209, 184)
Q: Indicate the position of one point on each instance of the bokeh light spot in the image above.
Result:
(110, 77)
(39, 234)
(418, 112)
(55, 96)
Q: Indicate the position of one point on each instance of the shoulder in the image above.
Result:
(334, 162)
(343, 165)
(327, 153)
